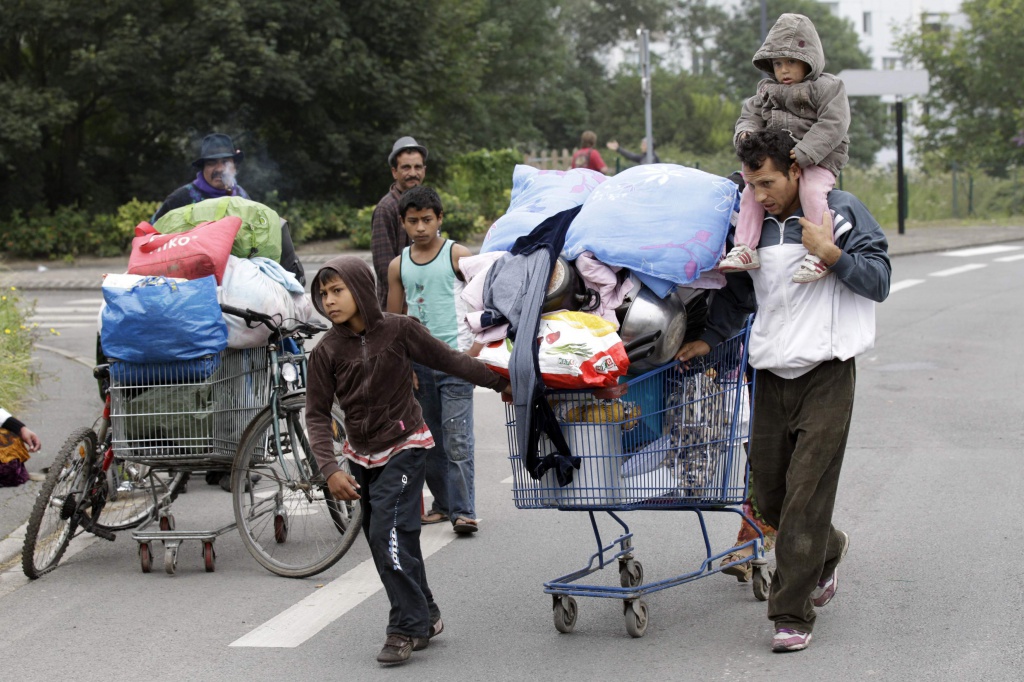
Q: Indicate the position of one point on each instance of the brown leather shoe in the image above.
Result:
(397, 649)
(421, 643)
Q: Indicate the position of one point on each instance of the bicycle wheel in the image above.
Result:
(135, 493)
(53, 520)
(288, 519)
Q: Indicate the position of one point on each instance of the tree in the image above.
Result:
(974, 109)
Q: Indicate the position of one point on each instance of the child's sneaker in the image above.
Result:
(397, 649)
(826, 589)
(811, 270)
(787, 639)
(741, 257)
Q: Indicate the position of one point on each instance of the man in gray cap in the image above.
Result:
(216, 170)
(408, 161)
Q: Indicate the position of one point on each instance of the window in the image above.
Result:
(867, 23)
(891, 63)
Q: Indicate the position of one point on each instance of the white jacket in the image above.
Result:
(798, 326)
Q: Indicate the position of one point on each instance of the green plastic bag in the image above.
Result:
(260, 234)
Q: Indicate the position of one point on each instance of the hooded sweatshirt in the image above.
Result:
(370, 374)
(815, 111)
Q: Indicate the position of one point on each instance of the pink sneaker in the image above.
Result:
(826, 589)
(787, 639)
(740, 258)
(810, 270)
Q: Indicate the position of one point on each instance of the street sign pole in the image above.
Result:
(901, 183)
(902, 83)
(644, 36)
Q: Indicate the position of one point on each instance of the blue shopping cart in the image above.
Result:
(671, 439)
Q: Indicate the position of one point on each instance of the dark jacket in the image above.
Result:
(370, 374)
(388, 238)
(815, 111)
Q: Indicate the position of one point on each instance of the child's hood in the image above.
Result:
(359, 279)
(793, 36)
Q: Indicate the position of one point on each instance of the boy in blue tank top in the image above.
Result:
(425, 282)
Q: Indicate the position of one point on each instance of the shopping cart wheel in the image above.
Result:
(631, 573)
(565, 613)
(167, 522)
(280, 528)
(635, 613)
(209, 556)
(171, 559)
(145, 557)
(762, 582)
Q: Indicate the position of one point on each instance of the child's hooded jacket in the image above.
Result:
(370, 374)
(816, 111)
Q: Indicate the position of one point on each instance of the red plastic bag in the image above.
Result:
(576, 350)
(199, 252)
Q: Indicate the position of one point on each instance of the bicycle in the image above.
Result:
(88, 489)
(145, 444)
(287, 517)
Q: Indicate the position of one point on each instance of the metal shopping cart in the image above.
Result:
(671, 439)
(241, 411)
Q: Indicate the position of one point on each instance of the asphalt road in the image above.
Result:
(930, 589)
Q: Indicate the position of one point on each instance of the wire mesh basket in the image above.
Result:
(674, 437)
(187, 414)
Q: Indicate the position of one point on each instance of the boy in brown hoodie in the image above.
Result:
(365, 363)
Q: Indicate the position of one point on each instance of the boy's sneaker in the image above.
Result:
(826, 589)
(741, 257)
(397, 649)
(810, 270)
(421, 643)
(787, 639)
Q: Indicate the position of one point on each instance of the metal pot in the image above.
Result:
(566, 290)
(651, 328)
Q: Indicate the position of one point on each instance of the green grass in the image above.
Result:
(17, 337)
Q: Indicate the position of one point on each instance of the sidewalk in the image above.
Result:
(86, 273)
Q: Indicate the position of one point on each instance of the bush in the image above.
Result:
(462, 218)
(361, 231)
(483, 181)
(69, 232)
(16, 340)
(317, 220)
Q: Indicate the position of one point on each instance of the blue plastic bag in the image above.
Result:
(158, 320)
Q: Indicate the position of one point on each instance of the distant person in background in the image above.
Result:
(588, 157)
(640, 158)
(216, 175)
(408, 161)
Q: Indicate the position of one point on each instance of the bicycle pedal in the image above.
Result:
(102, 533)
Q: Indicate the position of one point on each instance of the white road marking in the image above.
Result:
(295, 625)
(12, 577)
(904, 284)
(958, 270)
(980, 251)
(1010, 259)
